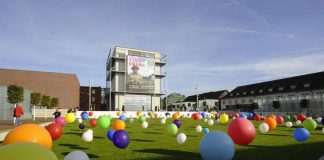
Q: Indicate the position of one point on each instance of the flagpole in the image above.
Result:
(89, 93)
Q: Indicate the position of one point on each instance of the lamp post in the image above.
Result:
(197, 98)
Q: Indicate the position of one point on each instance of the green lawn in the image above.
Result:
(155, 143)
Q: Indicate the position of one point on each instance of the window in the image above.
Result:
(82, 90)
(93, 99)
(306, 85)
(292, 87)
(260, 91)
(252, 92)
(82, 99)
(93, 91)
(244, 93)
(243, 101)
(237, 94)
(231, 94)
(281, 88)
(189, 104)
(250, 100)
(270, 89)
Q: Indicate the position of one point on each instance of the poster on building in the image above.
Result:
(140, 74)
(137, 102)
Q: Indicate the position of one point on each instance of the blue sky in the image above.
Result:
(210, 44)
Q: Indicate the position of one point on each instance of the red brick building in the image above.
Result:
(95, 98)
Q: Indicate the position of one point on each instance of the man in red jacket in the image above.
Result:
(18, 113)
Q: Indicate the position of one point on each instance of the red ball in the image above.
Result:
(230, 116)
(236, 115)
(90, 113)
(93, 122)
(241, 131)
(257, 117)
(55, 130)
(195, 116)
(301, 117)
(280, 119)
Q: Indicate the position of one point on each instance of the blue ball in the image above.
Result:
(110, 134)
(203, 114)
(301, 134)
(205, 130)
(251, 115)
(217, 145)
(242, 115)
(122, 117)
(85, 116)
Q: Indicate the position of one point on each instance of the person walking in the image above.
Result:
(57, 113)
(18, 113)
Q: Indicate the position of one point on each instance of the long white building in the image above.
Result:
(135, 79)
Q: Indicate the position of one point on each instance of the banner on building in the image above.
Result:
(140, 73)
(137, 102)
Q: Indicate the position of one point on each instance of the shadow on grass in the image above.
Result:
(152, 133)
(170, 154)
(68, 145)
(74, 133)
(192, 135)
(296, 151)
(77, 147)
(277, 135)
(142, 140)
(98, 137)
(90, 155)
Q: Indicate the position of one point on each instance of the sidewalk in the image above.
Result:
(6, 125)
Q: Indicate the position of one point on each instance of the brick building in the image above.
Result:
(95, 98)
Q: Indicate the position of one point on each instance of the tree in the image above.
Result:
(35, 98)
(254, 106)
(276, 105)
(15, 94)
(55, 102)
(238, 107)
(305, 103)
(46, 101)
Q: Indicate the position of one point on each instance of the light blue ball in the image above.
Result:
(205, 130)
(85, 116)
(243, 115)
(76, 155)
(217, 145)
(122, 117)
(301, 134)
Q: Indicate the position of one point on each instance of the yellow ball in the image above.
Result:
(70, 117)
(223, 118)
(138, 113)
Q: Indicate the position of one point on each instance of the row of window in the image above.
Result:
(93, 91)
(93, 99)
(292, 87)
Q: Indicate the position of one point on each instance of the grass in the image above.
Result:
(155, 143)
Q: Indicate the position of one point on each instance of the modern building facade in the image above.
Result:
(172, 98)
(63, 86)
(207, 101)
(135, 78)
(95, 98)
(288, 92)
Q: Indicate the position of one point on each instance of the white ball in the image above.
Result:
(210, 122)
(87, 137)
(144, 124)
(205, 120)
(264, 127)
(289, 124)
(319, 119)
(198, 128)
(200, 117)
(131, 120)
(76, 155)
(181, 138)
(80, 121)
(298, 122)
(90, 131)
(162, 121)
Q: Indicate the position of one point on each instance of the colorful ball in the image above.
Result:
(29, 133)
(121, 139)
(223, 118)
(309, 124)
(198, 128)
(55, 130)
(272, 123)
(103, 122)
(144, 125)
(110, 134)
(81, 126)
(90, 114)
(301, 117)
(301, 134)
(257, 117)
(195, 116)
(205, 130)
(289, 124)
(264, 127)
(216, 145)
(172, 129)
(119, 125)
(122, 117)
(181, 138)
(70, 117)
(142, 118)
(177, 123)
(118, 113)
(85, 116)
(175, 116)
(242, 131)
(60, 121)
(93, 123)
(280, 120)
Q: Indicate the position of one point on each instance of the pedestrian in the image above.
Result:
(69, 110)
(57, 113)
(18, 113)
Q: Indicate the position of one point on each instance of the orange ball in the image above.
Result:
(175, 116)
(29, 133)
(118, 113)
(273, 116)
(272, 123)
(119, 125)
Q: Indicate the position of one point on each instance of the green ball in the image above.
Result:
(142, 118)
(172, 129)
(287, 118)
(309, 124)
(26, 150)
(293, 118)
(103, 122)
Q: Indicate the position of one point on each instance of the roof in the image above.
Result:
(207, 95)
(305, 82)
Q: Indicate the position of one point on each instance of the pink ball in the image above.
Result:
(241, 131)
(280, 119)
(60, 121)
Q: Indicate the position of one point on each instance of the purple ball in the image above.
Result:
(81, 126)
(60, 121)
(121, 139)
(322, 121)
(177, 123)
